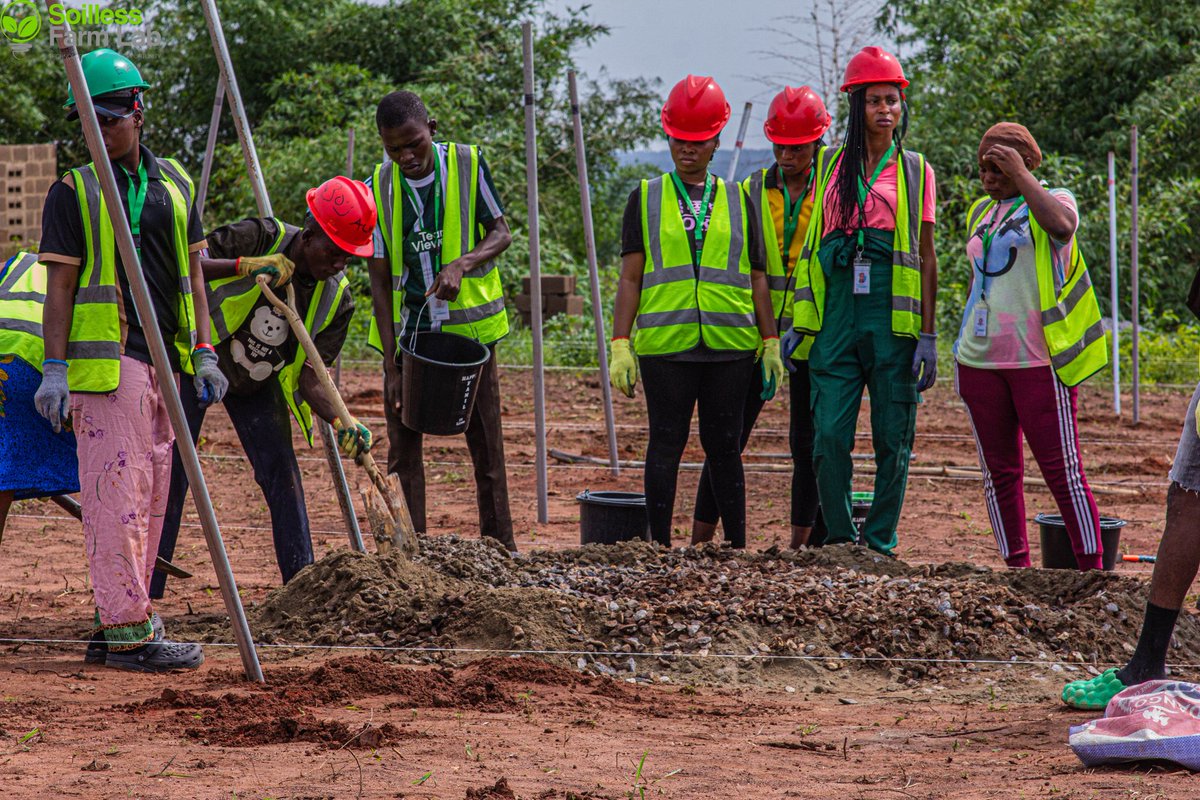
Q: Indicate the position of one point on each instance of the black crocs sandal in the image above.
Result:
(97, 648)
(159, 656)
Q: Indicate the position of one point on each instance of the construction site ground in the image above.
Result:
(691, 674)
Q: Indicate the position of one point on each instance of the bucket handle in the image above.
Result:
(412, 341)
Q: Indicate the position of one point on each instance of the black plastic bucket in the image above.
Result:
(440, 379)
(1056, 544)
(611, 517)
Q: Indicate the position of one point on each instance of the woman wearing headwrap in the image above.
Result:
(1031, 332)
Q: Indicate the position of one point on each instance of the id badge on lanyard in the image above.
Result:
(979, 319)
(439, 310)
(862, 273)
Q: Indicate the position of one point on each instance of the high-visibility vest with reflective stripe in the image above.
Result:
(783, 286)
(231, 301)
(809, 301)
(22, 295)
(479, 311)
(1070, 313)
(678, 307)
(94, 348)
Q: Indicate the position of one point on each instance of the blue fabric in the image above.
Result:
(34, 460)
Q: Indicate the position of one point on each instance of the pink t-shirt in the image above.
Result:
(880, 206)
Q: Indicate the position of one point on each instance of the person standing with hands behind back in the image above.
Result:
(692, 278)
(865, 291)
(440, 231)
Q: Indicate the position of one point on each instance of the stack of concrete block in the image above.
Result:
(26, 174)
(558, 297)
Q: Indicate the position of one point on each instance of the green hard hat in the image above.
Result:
(107, 71)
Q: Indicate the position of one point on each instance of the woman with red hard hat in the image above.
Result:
(780, 198)
(864, 293)
(694, 281)
(270, 379)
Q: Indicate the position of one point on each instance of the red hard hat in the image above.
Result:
(796, 116)
(873, 65)
(345, 210)
(695, 110)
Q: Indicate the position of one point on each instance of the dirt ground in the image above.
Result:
(334, 722)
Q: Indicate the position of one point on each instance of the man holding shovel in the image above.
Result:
(440, 230)
(269, 375)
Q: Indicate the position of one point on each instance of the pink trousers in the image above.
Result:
(124, 444)
(1004, 403)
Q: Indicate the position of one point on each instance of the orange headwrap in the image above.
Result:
(1013, 135)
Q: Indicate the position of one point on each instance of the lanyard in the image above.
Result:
(988, 235)
(705, 205)
(791, 214)
(417, 208)
(137, 201)
(865, 189)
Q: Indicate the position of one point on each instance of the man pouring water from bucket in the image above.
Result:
(439, 304)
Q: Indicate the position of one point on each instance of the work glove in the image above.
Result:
(353, 440)
(924, 363)
(278, 266)
(792, 339)
(622, 367)
(772, 367)
(211, 384)
(53, 399)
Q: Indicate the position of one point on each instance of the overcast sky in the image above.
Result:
(738, 43)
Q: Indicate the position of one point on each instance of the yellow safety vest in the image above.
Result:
(22, 295)
(1070, 313)
(679, 307)
(479, 311)
(95, 344)
(782, 283)
(230, 301)
(809, 301)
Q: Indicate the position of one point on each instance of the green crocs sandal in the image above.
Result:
(1093, 694)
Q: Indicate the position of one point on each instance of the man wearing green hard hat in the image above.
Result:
(97, 367)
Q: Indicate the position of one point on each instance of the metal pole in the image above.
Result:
(337, 366)
(737, 146)
(245, 136)
(254, 169)
(158, 355)
(214, 125)
(589, 240)
(535, 276)
(1133, 272)
(1112, 269)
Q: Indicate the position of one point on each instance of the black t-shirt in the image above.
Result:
(631, 242)
(264, 344)
(63, 240)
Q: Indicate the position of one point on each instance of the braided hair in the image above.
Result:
(852, 174)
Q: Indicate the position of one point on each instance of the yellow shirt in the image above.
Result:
(775, 199)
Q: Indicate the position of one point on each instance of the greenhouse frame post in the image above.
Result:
(1134, 312)
(589, 240)
(740, 143)
(214, 125)
(1115, 312)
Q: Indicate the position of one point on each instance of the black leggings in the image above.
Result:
(673, 389)
(800, 442)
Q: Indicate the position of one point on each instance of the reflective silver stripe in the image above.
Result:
(21, 326)
(481, 272)
(32, 297)
(17, 271)
(383, 175)
(465, 316)
(654, 190)
(95, 294)
(232, 289)
(737, 239)
(805, 293)
(725, 277)
(104, 350)
(663, 275)
(91, 193)
(661, 319)
(465, 196)
(914, 166)
(328, 296)
(910, 260)
(785, 324)
(175, 174)
(777, 283)
(220, 326)
(754, 195)
(1060, 312)
(910, 304)
(1092, 334)
(727, 319)
(397, 283)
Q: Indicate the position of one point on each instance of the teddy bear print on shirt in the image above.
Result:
(255, 347)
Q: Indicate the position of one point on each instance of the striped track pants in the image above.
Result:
(1001, 405)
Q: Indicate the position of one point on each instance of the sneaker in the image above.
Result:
(97, 648)
(157, 656)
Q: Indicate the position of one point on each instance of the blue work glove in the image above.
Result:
(53, 399)
(210, 383)
(924, 364)
(788, 343)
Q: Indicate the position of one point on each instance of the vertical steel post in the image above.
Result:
(1112, 269)
(535, 275)
(589, 240)
(737, 146)
(214, 125)
(1134, 313)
